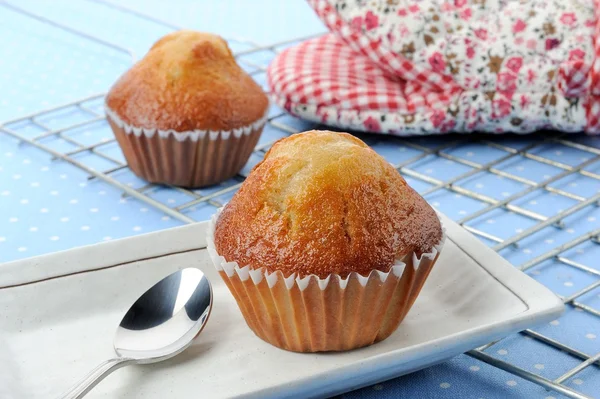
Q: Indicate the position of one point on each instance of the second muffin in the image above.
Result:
(187, 114)
(325, 247)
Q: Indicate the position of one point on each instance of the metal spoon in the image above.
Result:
(160, 324)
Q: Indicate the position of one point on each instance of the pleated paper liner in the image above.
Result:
(311, 314)
(188, 159)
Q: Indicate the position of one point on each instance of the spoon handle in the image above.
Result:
(95, 376)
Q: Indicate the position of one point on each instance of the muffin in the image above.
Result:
(186, 114)
(325, 247)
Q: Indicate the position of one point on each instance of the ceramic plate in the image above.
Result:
(58, 313)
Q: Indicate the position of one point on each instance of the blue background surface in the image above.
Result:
(47, 205)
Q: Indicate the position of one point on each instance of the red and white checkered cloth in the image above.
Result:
(379, 72)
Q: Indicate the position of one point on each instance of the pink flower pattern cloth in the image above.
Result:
(434, 66)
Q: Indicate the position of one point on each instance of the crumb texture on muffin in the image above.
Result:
(188, 80)
(321, 203)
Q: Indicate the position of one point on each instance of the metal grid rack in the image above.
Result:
(420, 149)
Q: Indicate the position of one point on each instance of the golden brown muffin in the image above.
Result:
(322, 203)
(325, 247)
(187, 114)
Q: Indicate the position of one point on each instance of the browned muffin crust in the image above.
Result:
(188, 80)
(323, 203)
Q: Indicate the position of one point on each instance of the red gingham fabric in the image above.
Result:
(326, 74)
(349, 79)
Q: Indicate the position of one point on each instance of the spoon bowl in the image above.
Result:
(161, 323)
(166, 318)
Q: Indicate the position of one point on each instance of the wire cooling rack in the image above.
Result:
(481, 181)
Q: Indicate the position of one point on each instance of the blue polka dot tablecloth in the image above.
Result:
(535, 199)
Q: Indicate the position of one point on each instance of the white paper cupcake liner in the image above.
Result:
(193, 135)
(188, 159)
(311, 314)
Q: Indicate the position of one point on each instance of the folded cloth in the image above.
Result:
(432, 66)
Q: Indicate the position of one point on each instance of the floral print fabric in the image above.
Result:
(512, 65)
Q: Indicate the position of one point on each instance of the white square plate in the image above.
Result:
(58, 313)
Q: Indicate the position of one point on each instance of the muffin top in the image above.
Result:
(188, 80)
(320, 203)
